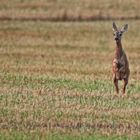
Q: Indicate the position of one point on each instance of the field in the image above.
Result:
(56, 81)
(69, 9)
(56, 77)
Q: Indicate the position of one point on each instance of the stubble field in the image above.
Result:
(69, 10)
(56, 81)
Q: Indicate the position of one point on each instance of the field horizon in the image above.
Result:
(67, 10)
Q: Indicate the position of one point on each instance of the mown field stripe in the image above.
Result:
(44, 81)
(55, 136)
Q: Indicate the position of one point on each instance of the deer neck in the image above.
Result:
(119, 50)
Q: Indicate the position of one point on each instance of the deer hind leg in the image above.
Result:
(116, 85)
(124, 86)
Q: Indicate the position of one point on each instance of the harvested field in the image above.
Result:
(56, 81)
(67, 10)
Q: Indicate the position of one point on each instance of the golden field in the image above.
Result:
(69, 9)
(56, 77)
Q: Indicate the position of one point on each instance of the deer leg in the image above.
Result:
(116, 85)
(124, 86)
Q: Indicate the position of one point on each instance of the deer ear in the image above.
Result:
(114, 27)
(124, 28)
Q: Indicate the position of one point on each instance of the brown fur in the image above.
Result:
(120, 67)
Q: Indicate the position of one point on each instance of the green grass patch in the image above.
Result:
(55, 136)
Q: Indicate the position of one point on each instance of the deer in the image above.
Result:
(120, 65)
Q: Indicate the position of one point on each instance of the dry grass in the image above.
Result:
(69, 10)
(56, 78)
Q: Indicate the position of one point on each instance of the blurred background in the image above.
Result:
(69, 9)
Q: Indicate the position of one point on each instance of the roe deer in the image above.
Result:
(120, 64)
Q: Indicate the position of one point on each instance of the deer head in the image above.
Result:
(118, 33)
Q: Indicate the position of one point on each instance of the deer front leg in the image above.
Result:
(116, 85)
(124, 86)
